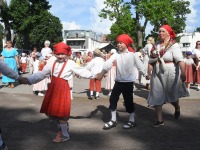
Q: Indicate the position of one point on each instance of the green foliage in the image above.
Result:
(155, 12)
(48, 29)
(2, 32)
(33, 24)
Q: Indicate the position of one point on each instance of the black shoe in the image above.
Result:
(90, 97)
(3, 147)
(158, 124)
(177, 114)
(97, 97)
(110, 124)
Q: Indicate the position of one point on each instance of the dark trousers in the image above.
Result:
(126, 88)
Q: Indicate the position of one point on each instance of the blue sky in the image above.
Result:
(83, 14)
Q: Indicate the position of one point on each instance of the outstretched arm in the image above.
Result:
(7, 71)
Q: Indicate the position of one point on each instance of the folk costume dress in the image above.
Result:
(197, 72)
(9, 59)
(57, 101)
(189, 70)
(165, 82)
(111, 75)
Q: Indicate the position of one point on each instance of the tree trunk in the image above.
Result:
(140, 38)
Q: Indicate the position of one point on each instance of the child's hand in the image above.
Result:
(23, 80)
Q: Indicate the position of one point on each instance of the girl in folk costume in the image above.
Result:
(95, 66)
(57, 101)
(189, 63)
(23, 61)
(40, 87)
(126, 61)
(111, 75)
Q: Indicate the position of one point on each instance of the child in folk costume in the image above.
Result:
(40, 87)
(125, 76)
(57, 101)
(111, 74)
(23, 61)
(189, 63)
(95, 66)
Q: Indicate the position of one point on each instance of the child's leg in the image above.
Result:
(64, 128)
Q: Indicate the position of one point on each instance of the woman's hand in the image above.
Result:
(183, 77)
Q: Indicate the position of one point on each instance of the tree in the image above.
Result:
(49, 28)
(5, 18)
(32, 21)
(155, 12)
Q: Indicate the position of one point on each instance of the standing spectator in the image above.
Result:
(46, 50)
(197, 62)
(189, 63)
(78, 60)
(125, 76)
(111, 74)
(167, 66)
(23, 61)
(95, 66)
(147, 50)
(40, 87)
(9, 55)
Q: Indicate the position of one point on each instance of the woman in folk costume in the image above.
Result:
(111, 74)
(197, 68)
(57, 101)
(189, 63)
(126, 61)
(168, 69)
(95, 66)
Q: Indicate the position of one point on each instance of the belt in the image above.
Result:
(167, 62)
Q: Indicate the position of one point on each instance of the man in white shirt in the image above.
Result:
(126, 61)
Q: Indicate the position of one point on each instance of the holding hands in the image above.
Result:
(23, 80)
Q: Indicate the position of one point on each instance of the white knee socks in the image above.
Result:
(64, 129)
(114, 115)
(132, 117)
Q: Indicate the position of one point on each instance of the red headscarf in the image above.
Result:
(169, 30)
(127, 40)
(62, 48)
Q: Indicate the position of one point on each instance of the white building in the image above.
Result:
(84, 40)
(188, 41)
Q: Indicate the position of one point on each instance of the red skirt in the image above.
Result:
(189, 73)
(23, 67)
(197, 76)
(57, 101)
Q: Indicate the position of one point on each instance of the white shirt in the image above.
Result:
(95, 65)
(24, 59)
(67, 73)
(45, 51)
(125, 66)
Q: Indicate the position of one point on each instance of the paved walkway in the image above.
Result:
(24, 128)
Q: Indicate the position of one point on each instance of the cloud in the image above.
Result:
(192, 21)
(70, 26)
(98, 24)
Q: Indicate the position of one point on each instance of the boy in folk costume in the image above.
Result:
(95, 66)
(125, 76)
(57, 101)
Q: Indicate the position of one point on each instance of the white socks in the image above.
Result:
(132, 117)
(1, 141)
(114, 115)
(91, 93)
(64, 129)
(97, 94)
